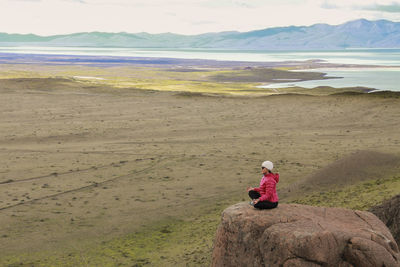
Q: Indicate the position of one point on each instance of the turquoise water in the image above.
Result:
(379, 78)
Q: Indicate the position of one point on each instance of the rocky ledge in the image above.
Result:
(300, 235)
(389, 213)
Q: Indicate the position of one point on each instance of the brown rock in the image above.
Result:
(389, 213)
(300, 235)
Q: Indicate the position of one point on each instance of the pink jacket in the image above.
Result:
(267, 187)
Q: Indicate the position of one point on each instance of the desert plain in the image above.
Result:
(131, 165)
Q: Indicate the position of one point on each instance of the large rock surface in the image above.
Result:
(300, 235)
(389, 213)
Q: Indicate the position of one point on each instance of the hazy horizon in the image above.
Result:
(233, 30)
(190, 17)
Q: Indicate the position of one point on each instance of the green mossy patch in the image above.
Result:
(168, 243)
(361, 196)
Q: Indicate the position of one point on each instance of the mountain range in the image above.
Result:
(359, 33)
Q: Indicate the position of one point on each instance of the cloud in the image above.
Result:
(248, 4)
(373, 5)
(202, 22)
(392, 8)
(76, 1)
(26, 0)
(328, 5)
(352, 3)
(41, 1)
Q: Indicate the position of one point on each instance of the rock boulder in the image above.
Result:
(300, 235)
(389, 213)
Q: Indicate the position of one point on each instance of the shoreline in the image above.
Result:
(257, 83)
(188, 75)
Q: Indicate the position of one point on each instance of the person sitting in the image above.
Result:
(265, 196)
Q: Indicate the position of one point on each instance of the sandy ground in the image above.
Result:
(85, 164)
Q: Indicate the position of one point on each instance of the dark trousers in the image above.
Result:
(262, 204)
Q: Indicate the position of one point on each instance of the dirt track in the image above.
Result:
(86, 164)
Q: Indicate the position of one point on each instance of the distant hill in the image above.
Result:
(360, 33)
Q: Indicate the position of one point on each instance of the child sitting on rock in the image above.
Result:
(265, 196)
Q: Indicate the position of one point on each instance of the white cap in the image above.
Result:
(268, 164)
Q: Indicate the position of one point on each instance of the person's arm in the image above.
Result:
(259, 189)
(253, 188)
(256, 189)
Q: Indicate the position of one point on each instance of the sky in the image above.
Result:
(189, 17)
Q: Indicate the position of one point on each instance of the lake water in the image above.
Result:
(378, 78)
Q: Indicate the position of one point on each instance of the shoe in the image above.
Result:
(251, 203)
